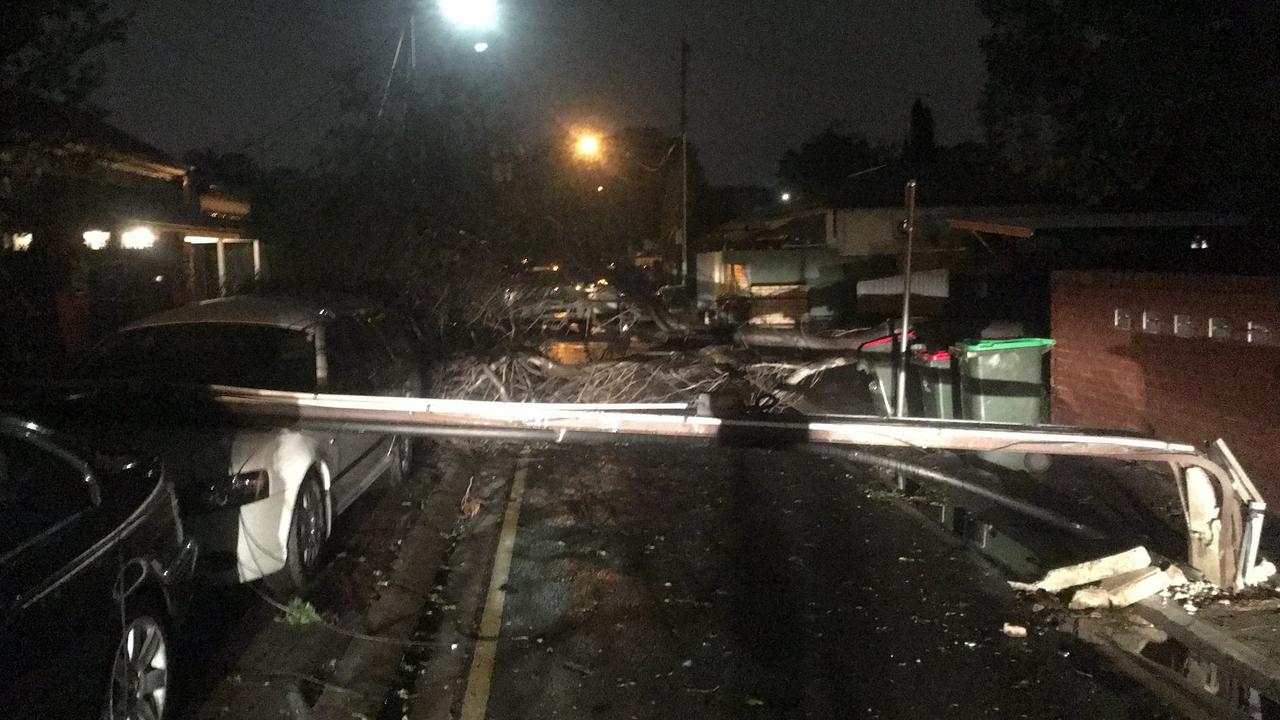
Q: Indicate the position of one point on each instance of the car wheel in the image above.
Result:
(308, 531)
(401, 460)
(140, 675)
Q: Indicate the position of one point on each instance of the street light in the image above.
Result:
(785, 197)
(471, 14)
(588, 146)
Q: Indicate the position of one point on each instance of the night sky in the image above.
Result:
(766, 74)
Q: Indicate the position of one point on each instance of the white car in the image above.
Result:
(261, 501)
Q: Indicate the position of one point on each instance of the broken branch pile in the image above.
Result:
(677, 377)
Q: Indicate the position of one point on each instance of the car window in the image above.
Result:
(355, 355)
(38, 489)
(254, 356)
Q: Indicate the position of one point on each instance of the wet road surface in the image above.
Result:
(660, 582)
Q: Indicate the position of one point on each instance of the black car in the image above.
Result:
(95, 571)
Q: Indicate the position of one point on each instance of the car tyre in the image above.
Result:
(141, 669)
(308, 531)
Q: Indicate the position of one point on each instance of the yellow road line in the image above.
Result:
(476, 701)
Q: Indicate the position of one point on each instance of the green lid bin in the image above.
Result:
(1002, 381)
(935, 386)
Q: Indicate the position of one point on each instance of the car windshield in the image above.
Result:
(252, 356)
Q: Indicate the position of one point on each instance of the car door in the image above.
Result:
(56, 570)
(355, 360)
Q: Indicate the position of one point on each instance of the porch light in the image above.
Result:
(22, 242)
(96, 239)
(200, 240)
(138, 238)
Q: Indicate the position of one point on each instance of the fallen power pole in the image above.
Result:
(1217, 493)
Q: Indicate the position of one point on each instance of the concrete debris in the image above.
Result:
(1260, 573)
(1129, 633)
(1091, 571)
(1121, 590)
(1176, 575)
(1014, 631)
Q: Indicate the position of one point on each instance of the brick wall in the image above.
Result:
(1175, 382)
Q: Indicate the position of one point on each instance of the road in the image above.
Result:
(643, 581)
(656, 582)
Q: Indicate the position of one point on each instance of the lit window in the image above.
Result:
(138, 238)
(22, 242)
(96, 239)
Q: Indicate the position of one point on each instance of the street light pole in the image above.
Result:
(687, 266)
(903, 342)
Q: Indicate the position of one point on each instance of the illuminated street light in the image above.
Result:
(785, 197)
(589, 146)
(471, 14)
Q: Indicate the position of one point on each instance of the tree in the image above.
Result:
(826, 159)
(921, 148)
(1138, 104)
(47, 47)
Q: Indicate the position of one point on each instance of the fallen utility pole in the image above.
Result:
(1215, 489)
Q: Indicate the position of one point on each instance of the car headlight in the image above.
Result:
(239, 489)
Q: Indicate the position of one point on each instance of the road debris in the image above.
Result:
(1014, 631)
(1260, 573)
(1121, 590)
(1091, 571)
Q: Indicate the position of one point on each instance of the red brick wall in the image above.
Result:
(1189, 389)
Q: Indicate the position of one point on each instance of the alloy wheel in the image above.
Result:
(140, 672)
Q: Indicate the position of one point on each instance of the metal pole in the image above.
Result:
(413, 45)
(903, 342)
(687, 253)
(222, 268)
(386, 90)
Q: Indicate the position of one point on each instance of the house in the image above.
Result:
(98, 227)
(820, 262)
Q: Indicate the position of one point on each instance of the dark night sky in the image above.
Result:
(766, 73)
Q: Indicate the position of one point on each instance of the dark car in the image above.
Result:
(95, 571)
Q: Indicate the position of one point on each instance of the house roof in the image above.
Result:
(33, 117)
(1025, 226)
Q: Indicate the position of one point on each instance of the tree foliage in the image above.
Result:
(825, 160)
(47, 47)
(1132, 103)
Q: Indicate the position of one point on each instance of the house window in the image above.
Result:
(17, 242)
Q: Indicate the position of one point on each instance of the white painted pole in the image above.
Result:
(222, 268)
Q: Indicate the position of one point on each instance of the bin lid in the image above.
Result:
(880, 343)
(941, 356)
(1005, 344)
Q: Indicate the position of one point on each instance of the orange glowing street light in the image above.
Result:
(589, 146)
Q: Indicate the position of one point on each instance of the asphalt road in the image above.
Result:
(656, 582)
